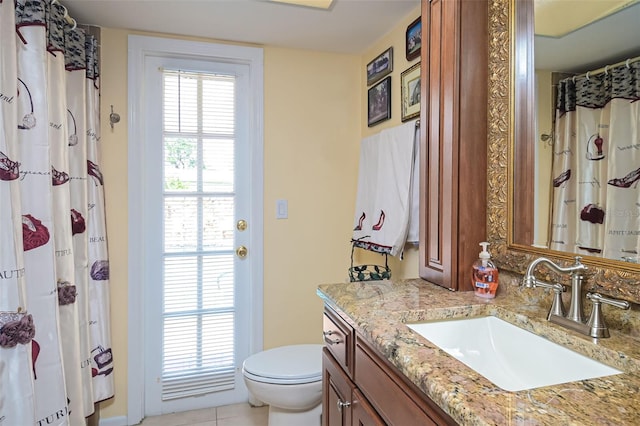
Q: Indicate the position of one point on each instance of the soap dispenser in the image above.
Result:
(484, 277)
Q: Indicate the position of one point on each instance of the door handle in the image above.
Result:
(241, 252)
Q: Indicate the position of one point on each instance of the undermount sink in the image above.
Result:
(512, 358)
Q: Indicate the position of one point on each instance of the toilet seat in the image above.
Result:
(295, 364)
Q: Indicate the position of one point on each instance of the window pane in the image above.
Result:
(218, 109)
(181, 284)
(180, 102)
(218, 349)
(218, 160)
(218, 221)
(218, 291)
(181, 338)
(180, 224)
(180, 164)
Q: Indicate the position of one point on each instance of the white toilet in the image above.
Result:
(289, 380)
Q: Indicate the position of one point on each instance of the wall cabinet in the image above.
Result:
(453, 210)
(369, 392)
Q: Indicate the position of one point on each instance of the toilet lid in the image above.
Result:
(295, 364)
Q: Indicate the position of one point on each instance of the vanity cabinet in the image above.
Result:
(369, 391)
(453, 209)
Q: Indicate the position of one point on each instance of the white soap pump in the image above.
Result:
(484, 254)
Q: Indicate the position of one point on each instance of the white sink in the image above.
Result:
(512, 358)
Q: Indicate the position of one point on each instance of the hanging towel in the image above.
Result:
(386, 193)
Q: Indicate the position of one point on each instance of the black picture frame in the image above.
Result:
(379, 102)
(414, 39)
(380, 66)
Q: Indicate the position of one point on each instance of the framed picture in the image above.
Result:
(380, 66)
(379, 102)
(410, 92)
(414, 39)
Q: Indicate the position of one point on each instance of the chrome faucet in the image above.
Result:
(595, 325)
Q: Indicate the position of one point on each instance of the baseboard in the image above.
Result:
(114, 421)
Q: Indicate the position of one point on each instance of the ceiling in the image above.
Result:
(348, 26)
(353, 26)
(599, 40)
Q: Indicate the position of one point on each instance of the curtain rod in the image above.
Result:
(606, 68)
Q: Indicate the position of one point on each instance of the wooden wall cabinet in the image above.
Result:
(453, 148)
(370, 391)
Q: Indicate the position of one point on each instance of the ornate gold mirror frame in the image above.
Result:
(603, 276)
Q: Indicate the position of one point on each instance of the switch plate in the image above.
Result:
(282, 209)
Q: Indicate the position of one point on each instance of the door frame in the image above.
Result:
(139, 48)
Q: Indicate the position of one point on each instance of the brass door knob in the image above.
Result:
(241, 225)
(241, 252)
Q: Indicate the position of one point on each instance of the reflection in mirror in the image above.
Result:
(586, 131)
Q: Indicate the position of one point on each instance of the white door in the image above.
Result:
(197, 232)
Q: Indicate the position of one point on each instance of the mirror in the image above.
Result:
(511, 119)
(566, 196)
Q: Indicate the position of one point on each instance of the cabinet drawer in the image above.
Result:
(338, 337)
(395, 400)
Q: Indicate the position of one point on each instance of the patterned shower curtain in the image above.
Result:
(596, 164)
(55, 351)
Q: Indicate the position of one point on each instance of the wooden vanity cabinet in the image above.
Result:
(453, 210)
(369, 391)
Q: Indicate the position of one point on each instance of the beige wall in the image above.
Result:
(315, 116)
(408, 267)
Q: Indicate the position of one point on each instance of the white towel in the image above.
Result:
(386, 193)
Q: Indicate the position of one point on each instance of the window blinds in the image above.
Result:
(198, 234)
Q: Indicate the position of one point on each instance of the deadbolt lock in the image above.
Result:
(241, 252)
(241, 225)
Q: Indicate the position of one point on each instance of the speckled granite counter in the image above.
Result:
(379, 310)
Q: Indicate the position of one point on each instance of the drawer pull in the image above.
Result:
(342, 405)
(328, 339)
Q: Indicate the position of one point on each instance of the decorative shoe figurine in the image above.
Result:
(564, 176)
(626, 181)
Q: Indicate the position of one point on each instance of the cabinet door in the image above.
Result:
(438, 224)
(453, 139)
(337, 390)
(363, 413)
(395, 399)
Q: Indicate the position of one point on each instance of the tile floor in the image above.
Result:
(229, 415)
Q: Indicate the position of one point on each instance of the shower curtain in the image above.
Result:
(55, 351)
(596, 164)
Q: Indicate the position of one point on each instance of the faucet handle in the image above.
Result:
(597, 326)
(597, 297)
(557, 307)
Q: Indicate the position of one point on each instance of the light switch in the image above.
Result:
(282, 209)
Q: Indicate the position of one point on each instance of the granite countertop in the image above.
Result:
(379, 311)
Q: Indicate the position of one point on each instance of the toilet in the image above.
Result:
(289, 380)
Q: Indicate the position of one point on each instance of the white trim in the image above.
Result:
(139, 48)
(114, 421)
